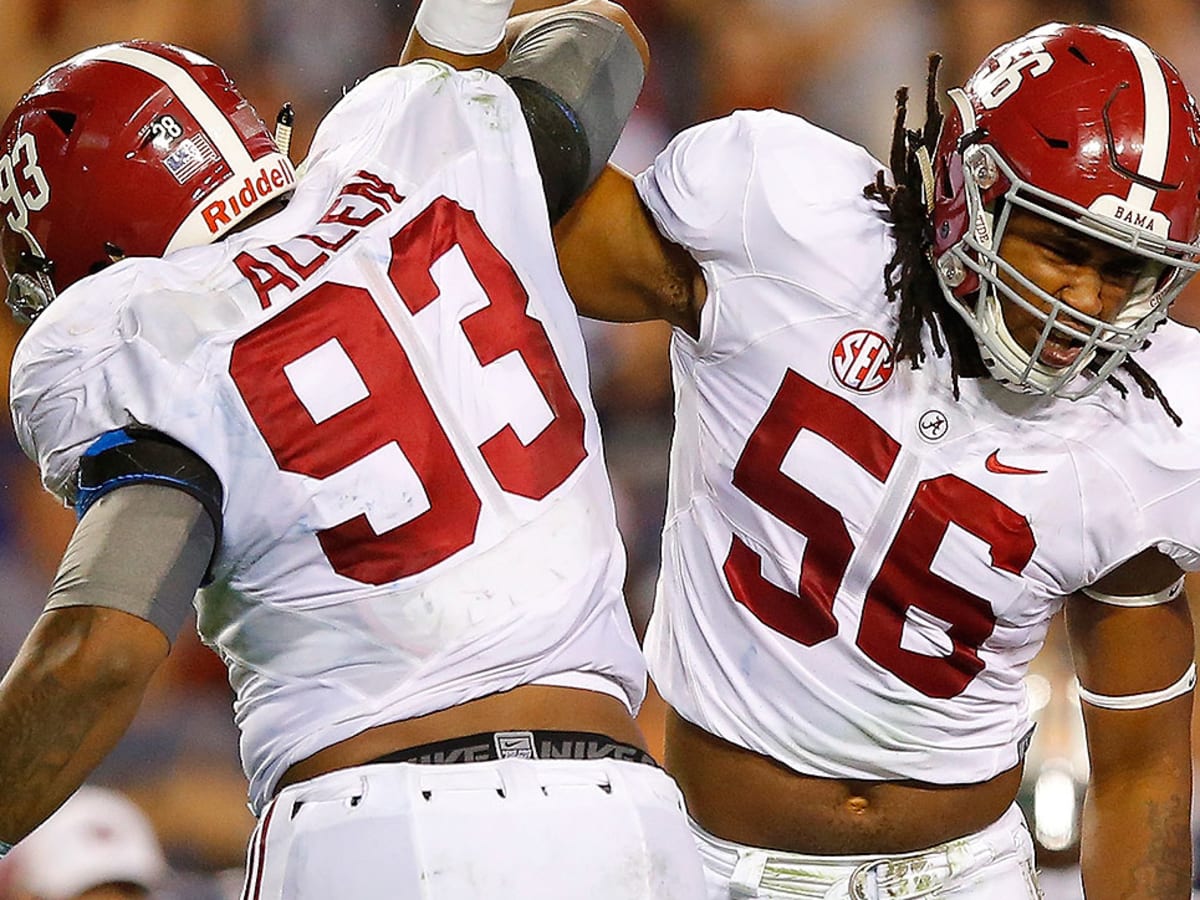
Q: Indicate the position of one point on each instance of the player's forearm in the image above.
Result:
(64, 703)
(1137, 836)
(1133, 661)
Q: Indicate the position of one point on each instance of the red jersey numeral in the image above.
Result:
(801, 405)
(500, 328)
(397, 409)
(905, 579)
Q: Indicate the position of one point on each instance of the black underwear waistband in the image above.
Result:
(493, 745)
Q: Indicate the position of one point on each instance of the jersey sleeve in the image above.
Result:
(770, 196)
(377, 97)
(765, 180)
(1184, 557)
(1169, 475)
(1154, 461)
(374, 123)
(58, 371)
(90, 381)
(696, 187)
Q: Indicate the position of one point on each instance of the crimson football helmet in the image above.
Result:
(130, 149)
(1093, 130)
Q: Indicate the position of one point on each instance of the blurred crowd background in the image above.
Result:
(837, 62)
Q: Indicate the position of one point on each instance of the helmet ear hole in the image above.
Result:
(64, 120)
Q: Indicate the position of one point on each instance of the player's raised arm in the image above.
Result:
(576, 68)
(616, 264)
(1134, 653)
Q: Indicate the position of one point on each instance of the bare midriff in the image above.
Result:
(527, 708)
(750, 799)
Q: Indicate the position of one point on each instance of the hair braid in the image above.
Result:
(1147, 385)
(909, 278)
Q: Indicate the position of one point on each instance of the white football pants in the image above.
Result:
(993, 864)
(512, 829)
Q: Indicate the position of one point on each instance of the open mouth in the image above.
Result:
(1060, 351)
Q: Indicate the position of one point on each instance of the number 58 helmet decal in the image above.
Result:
(1091, 129)
(130, 149)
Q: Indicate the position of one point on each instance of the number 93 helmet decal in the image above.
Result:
(130, 149)
(1090, 129)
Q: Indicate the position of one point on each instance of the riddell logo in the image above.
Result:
(221, 213)
(862, 361)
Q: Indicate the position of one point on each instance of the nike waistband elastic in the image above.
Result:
(519, 745)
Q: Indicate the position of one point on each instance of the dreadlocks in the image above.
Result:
(1147, 385)
(909, 276)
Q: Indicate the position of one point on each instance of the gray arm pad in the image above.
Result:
(592, 64)
(142, 549)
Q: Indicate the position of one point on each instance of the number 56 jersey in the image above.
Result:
(857, 566)
(389, 379)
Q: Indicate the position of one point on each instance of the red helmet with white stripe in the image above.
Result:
(130, 149)
(1092, 129)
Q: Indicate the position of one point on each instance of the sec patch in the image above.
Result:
(862, 361)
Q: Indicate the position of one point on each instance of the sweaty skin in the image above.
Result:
(1092, 277)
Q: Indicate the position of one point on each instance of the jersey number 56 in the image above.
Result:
(905, 579)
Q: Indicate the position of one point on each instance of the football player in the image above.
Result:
(349, 405)
(909, 428)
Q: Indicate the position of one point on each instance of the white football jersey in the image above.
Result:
(389, 378)
(857, 567)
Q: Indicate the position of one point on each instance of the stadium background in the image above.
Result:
(838, 62)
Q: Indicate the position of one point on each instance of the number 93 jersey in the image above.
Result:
(857, 567)
(390, 381)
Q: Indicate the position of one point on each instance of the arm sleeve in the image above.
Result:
(150, 523)
(577, 76)
(143, 549)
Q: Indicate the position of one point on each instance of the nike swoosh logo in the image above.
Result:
(993, 464)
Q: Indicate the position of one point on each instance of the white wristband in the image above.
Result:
(466, 27)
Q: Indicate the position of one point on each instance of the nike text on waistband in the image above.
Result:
(495, 745)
